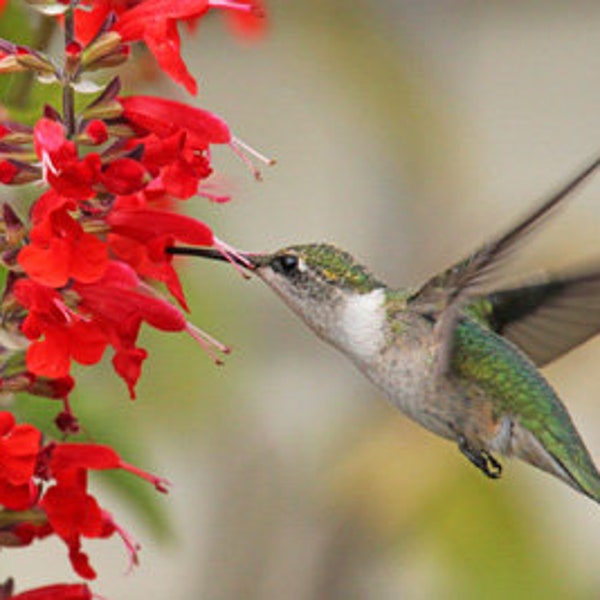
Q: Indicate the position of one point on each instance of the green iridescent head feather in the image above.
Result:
(336, 266)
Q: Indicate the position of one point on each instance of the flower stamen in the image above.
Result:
(207, 343)
(241, 149)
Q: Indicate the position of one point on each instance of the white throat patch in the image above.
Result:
(361, 327)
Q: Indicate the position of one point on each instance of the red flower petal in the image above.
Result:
(60, 250)
(51, 356)
(83, 456)
(124, 176)
(72, 512)
(128, 365)
(164, 117)
(19, 448)
(58, 591)
(144, 225)
(17, 497)
(163, 41)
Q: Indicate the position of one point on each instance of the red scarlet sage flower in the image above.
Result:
(19, 446)
(58, 591)
(72, 512)
(81, 265)
(109, 311)
(164, 117)
(62, 168)
(155, 23)
(61, 250)
(65, 508)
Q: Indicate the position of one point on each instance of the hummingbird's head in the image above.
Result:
(317, 281)
(313, 272)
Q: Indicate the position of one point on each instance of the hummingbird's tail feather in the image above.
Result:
(576, 468)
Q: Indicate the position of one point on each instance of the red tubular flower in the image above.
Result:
(139, 236)
(119, 303)
(68, 457)
(176, 139)
(163, 117)
(155, 22)
(145, 225)
(61, 250)
(124, 176)
(96, 131)
(19, 447)
(59, 334)
(72, 512)
(66, 508)
(63, 170)
(176, 165)
(109, 311)
(58, 591)
(77, 268)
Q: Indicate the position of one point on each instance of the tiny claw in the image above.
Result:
(482, 459)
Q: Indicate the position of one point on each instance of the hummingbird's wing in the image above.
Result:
(442, 297)
(549, 318)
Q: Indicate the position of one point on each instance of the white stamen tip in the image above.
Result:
(242, 149)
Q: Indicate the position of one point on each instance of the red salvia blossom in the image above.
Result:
(164, 117)
(155, 22)
(87, 265)
(62, 168)
(52, 481)
(61, 250)
(57, 591)
(19, 445)
(109, 311)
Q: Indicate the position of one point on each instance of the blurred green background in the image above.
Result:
(406, 132)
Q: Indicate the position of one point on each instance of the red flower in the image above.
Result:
(176, 139)
(163, 117)
(140, 234)
(155, 22)
(59, 334)
(66, 458)
(59, 248)
(119, 303)
(124, 176)
(72, 512)
(66, 508)
(58, 591)
(62, 168)
(19, 447)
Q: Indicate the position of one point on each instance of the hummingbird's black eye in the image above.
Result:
(286, 264)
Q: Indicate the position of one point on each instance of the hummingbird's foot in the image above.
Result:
(482, 459)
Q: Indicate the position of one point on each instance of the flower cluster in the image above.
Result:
(44, 491)
(85, 268)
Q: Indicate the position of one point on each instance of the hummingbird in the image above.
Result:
(460, 354)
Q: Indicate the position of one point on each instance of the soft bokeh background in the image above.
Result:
(406, 132)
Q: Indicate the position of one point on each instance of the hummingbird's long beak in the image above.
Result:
(242, 259)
